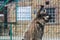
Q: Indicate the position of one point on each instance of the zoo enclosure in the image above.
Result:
(16, 25)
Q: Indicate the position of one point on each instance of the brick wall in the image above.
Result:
(52, 30)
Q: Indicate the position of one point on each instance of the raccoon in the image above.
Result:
(36, 28)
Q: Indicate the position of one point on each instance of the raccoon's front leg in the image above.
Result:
(41, 32)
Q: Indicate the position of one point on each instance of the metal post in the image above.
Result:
(10, 31)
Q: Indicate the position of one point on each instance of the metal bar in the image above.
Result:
(10, 31)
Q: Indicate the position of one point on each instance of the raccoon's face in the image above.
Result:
(45, 17)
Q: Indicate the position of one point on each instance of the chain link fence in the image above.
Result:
(16, 16)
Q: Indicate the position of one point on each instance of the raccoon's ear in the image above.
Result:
(40, 10)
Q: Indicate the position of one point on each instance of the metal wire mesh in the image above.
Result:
(16, 17)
